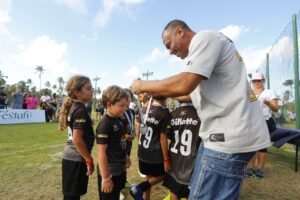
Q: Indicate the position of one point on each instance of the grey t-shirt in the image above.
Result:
(231, 120)
(17, 101)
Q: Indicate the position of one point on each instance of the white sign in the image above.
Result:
(17, 116)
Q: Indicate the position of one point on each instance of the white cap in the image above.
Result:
(257, 76)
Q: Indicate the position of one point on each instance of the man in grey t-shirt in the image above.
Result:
(17, 99)
(232, 127)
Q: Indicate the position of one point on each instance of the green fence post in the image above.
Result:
(296, 71)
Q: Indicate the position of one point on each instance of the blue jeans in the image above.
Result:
(217, 175)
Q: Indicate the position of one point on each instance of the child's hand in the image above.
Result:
(129, 137)
(128, 162)
(137, 120)
(107, 185)
(167, 165)
(90, 167)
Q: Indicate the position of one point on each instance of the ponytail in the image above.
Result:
(64, 112)
(74, 84)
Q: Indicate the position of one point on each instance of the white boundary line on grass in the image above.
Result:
(36, 149)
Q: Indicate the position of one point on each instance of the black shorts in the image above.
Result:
(119, 184)
(271, 127)
(74, 178)
(263, 150)
(151, 169)
(181, 191)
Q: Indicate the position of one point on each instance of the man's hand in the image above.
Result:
(136, 86)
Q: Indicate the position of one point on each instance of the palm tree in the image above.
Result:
(22, 85)
(61, 83)
(48, 84)
(289, 83)
(29, 82)
(286, 95)
(40, 69)
(2, 80)
(54, 86)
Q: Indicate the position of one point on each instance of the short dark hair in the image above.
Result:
(176, 23)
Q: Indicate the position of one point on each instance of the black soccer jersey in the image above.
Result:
(183, 130)
(78, 118)
(149, 149)
(111, 131)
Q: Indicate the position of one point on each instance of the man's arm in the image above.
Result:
(184, 99)
(179, 85)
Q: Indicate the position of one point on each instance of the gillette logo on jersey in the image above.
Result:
(152, 120)
(180, 121)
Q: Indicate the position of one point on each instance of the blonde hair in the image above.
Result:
(113, 94)
(74, 84)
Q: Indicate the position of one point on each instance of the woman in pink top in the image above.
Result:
(31, 101)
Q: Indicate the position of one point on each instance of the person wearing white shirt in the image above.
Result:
(269, 104)
(232, 125)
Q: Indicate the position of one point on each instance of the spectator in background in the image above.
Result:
(269, 103)
(46, 105)
(6, 100)
(24, 103)
(45, 97)
(2, 100)
(59, 102)
(292, 116)
(17, 99)
(53, 105)
(99, 109)
(31, 101)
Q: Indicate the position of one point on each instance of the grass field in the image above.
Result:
(30, 159)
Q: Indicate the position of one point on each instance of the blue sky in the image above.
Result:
(118, 40)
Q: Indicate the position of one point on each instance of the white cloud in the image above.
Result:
(5, 6)
(132, 72)
(234, 31)
(253, 57)
(47, 52)
(157, 54)
(92, 37)
(75, 5)
(174, 61)
(5, 18)
(110, 6)
(283, 48)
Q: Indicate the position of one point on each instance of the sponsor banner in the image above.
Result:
(17, 116)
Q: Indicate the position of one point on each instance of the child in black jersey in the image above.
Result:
(111, 145)
(151, 161)
(77, 162)
(128, 122)
(183, 130)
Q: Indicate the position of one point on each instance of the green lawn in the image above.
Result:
(30, 159)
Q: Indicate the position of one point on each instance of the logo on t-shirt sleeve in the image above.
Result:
(189, 63)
